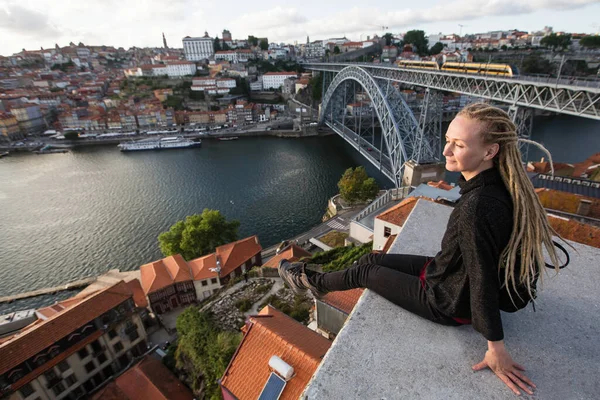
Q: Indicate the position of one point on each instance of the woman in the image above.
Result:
(497, 226)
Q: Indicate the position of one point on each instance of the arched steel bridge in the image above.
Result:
(406, 137)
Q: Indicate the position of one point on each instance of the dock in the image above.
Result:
(68, 286)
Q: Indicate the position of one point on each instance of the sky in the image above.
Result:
(32, 24)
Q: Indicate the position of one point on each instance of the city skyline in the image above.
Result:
(32, 24)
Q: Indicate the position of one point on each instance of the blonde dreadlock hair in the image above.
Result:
(531, 230)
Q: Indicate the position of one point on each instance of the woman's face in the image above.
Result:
(465, 151)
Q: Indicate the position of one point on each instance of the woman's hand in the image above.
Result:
(498, 360)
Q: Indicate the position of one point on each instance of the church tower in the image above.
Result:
(165, 41)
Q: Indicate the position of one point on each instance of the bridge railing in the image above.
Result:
(550, 81)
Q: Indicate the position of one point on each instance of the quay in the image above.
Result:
(69, 286)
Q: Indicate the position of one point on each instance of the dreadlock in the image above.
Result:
(531, 230)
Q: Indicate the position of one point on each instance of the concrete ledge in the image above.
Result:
(385, 352)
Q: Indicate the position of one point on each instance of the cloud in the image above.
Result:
(23, 21)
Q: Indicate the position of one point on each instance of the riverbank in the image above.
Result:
(280, 133)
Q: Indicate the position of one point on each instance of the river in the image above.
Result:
(78, 214)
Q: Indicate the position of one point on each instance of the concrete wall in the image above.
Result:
(360, 232)
(379, 239)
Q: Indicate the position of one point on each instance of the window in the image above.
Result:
(63, 366)
(118, 347)
(83, 353)
(387, 231)
(112, 334)
(213, 280)
(71, 380)
(102, 358)
(96, 346)
(204, 283)
(89, 367)
(26, 390)
(88, 386)
(58, 388)
(133, 335)
(50, 374)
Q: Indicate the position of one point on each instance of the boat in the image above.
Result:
(229, 138)
(47, 149)
(4, 154)
(165, 143)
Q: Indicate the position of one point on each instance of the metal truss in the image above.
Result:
(430, 128)
(561, 98)
(523, 119)
(399, 128)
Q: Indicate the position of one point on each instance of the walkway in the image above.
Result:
(274, 289)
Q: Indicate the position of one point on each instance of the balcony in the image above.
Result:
(53, 382)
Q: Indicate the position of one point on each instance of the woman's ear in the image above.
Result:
(491, 151)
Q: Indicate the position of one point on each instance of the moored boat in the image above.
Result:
(165, 143)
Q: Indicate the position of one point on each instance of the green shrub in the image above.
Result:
(243, 304)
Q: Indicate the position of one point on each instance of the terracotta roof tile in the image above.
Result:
(234, 254)
(388, 243)
(398, 214)
(139, 298)
(291, 253)
(440, 185)
(32, 341)
(274, 333)
(200, 267)
(344, 301)
(576, 231)
(567, 202)
(148, 380)
(162, 273)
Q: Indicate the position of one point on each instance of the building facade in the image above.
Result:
(198, 48)
(274, 80)
(76, 345)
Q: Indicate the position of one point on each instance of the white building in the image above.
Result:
(274, 80)
(256, 86)
(226, 83)
(180, 68)
(228, 55)
(198, 48)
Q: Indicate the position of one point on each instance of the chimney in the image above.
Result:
(584, 207)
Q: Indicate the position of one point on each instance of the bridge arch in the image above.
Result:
(400, 129)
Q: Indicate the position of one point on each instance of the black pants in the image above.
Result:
(392, 276)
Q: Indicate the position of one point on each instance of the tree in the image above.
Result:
(252, 40)
(176, 102)
(556, 41)
(316, 85)
(216, 44)
(336, 50)
(264, 45)
(388, 38)
(436, 48)
(535, 64)
(203, 350)
(198, 235)
(504, 47)
(356, 186)
(225, 46)
(590, 42)
(417, 39)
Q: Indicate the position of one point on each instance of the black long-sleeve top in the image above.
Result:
(463, 281)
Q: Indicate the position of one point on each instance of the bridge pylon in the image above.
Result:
(522, 117)
(429, 141)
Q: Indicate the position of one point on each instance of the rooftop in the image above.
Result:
(387, 352)
(270, 333)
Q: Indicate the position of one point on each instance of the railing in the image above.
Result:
(385, 198)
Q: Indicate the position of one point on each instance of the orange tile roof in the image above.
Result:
(345, 300)
(567, 202)
(139, 298)
(440, 185)
(290, 253)
(576, 231)
(162, 273)
(32, 341)
(200, 267)
(148, 380)
(398, 214)
(234, 254)
(270, 333)
(388, 243)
